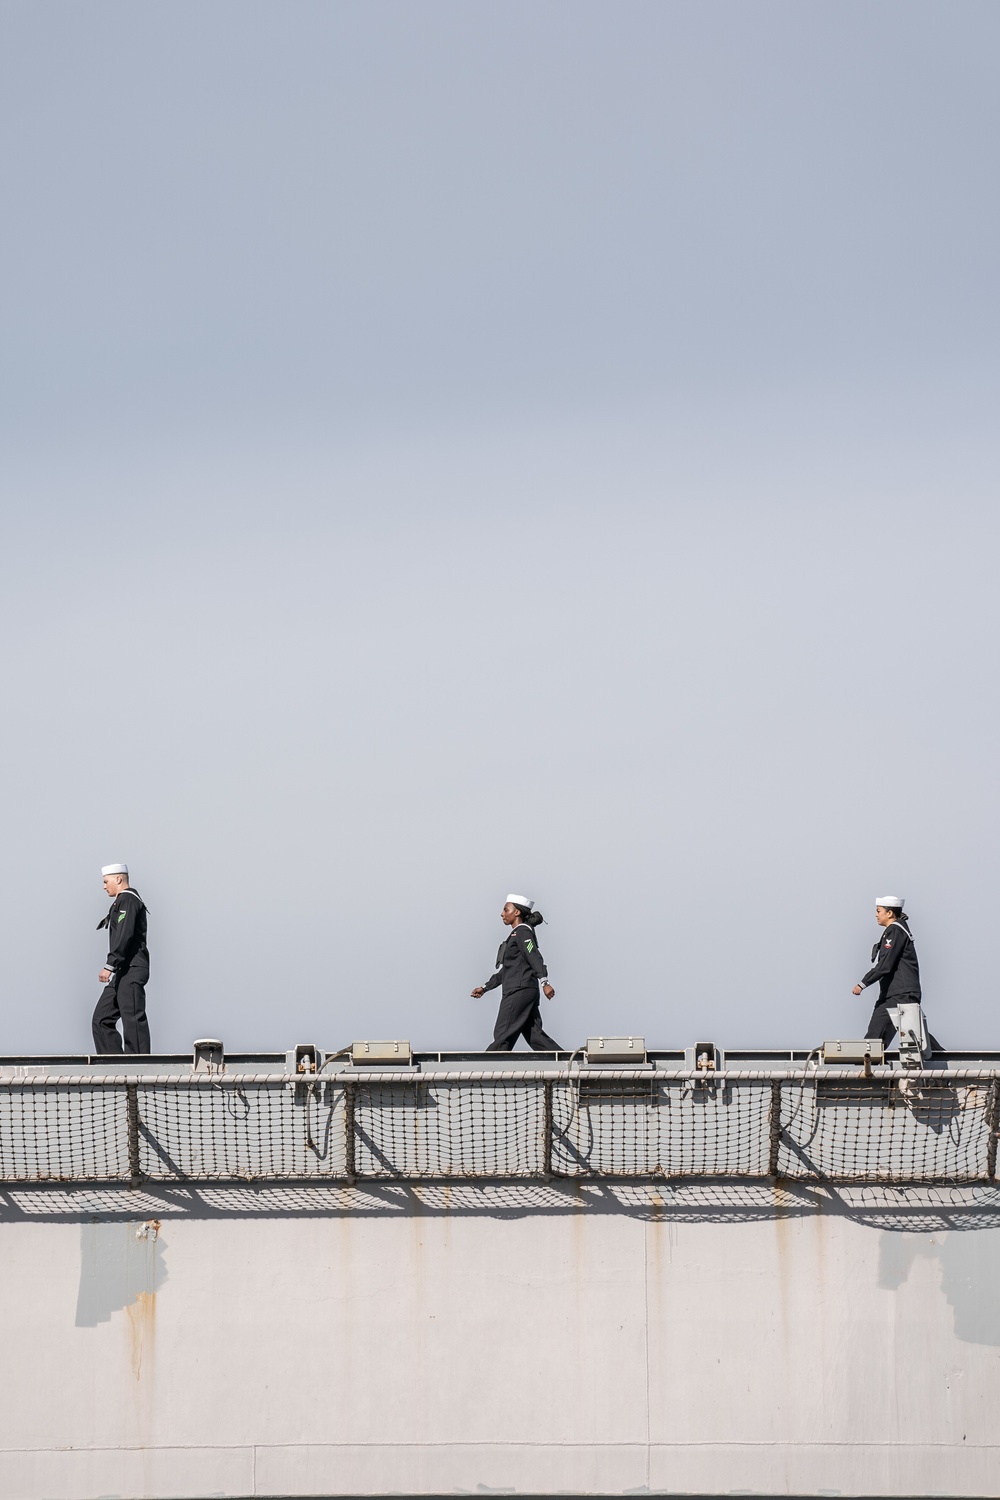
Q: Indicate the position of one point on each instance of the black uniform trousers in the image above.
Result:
(519, 1015)
(882, 1029)
(123, 999)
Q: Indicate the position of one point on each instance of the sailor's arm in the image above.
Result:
(889, 951)
(122, 931)
(529, 947)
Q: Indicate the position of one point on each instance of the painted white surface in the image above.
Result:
(433, 1344)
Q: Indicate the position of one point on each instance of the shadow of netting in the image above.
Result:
(913, 1209)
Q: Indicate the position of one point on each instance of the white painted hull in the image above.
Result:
(519, 1337)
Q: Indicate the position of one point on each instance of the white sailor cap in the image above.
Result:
(521, 901)
(890, 900)
(114, 869)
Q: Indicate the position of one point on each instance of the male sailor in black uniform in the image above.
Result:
(519, 969)
(126, 972)
(895, 969)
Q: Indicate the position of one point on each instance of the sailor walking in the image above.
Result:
(520, 969)
(126, 972)
(894, 969)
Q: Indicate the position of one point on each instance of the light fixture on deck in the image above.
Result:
(209, 1056)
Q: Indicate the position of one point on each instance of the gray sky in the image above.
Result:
(456, 448)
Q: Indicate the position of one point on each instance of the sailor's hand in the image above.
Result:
(856, 990)
(548, 992)
(105, 976)
(478, 992)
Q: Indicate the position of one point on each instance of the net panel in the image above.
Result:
(421, 1130)
(653, 1129)
(880, 1130)
(270, 1130)
(877, 1130)
(63, 1134)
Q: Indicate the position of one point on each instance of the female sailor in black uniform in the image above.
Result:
(894, 969)
(520, 967)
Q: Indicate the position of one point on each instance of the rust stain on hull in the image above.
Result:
(141, 1311)
(141, 1316)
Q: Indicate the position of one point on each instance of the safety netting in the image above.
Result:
(63, 1133)
(647, 1128)
(491, 1125)
(883, 1130)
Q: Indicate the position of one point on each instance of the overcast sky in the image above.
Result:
(456, 448)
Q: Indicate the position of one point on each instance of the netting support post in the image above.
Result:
(350, 1139)
(993, 1122)
(547, 1130)
(132, 1120)
(774, 1130)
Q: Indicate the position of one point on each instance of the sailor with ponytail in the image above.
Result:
(520, 969)
(894, 969)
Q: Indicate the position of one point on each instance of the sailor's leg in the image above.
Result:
(880, 1027)
(132, 1005)
(512, 1020)
(105, 1022)
(538, 1038)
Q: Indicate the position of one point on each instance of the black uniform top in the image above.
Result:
(519, 964)
(895, 965)
(126, 924)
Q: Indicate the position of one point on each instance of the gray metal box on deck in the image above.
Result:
(367, 1053)
(620, 1050)
(847, 1052)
